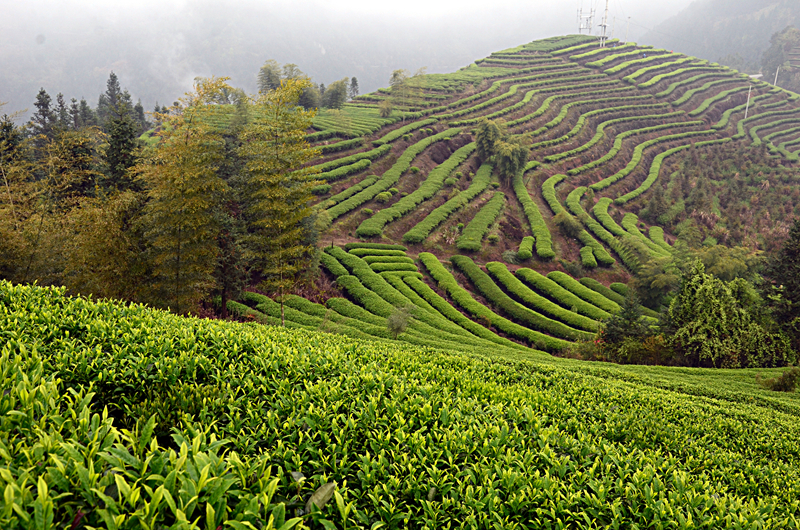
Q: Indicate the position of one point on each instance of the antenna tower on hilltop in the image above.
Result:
(585, 22)
(604, 25)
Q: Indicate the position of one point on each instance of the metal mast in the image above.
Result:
(585, 22)
(604, 25)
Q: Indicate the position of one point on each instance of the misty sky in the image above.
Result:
(158, 47)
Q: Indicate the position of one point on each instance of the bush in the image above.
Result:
(414, 170)
(786, 382)
(394, 191)
(471, 237)
(383, 197)
(366, 212)
(398, 321)
(492, 239)
(450, 181)
(543, 239)
(321, 189)
(525, 251)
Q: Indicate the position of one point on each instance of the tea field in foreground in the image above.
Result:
(118, 416)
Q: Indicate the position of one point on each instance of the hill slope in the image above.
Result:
(130, 415)
(603, 127)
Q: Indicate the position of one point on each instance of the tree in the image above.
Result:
(291, 71)
(335, 95)
(488, 134)
(511, 156)
(405, 88)
(269, 76)
(777, 56)
(279, 188)
(44, 119)
(385, 108)
(711, 323)
(184, 190)
(114, 102)
(353, 88)
(310, 98)
(398, 321)
(781, 284)
(62, 113)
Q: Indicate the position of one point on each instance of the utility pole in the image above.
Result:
(747, 107)
(776, 76)
(585, 22)
(604, 25)
(627, 29)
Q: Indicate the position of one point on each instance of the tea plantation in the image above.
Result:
(119, 416)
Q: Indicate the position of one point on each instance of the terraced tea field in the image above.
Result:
(603, 125)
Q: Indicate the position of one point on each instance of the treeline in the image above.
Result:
(216, 199)
(313, 95)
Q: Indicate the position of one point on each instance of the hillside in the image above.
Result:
(717, 29)
(418, 221)
(126, 417)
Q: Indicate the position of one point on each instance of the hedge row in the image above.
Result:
(691, 92)
(393, 267)
(627, 64)
(598, 51)
(544, 241)
(528, 96)
(573, 203)
(352, 190)
(581, 291)
(587, 257)
(525, 250)
(513, 90)
(647, 69)
(474, 232)
(655, 169)
(584, 118)
(617, 56)
(444, 307)
(372, 154)
(638, 154)
(600, 212)
(545, 106)
(592, 101)
(332, 264)
(341, 146)
(518, 312)
(464, 299)
(656, 234)
(341, 324)
(630, 222)
(389, 275)
(344, 171)
(397, 133)
(535, 301)
(373, 226)
(373, 246)
(740, 133)
(579, 47)
(549, 193)
(710, 101)
(321, 135)
(422, 230)
(562, 296)
(610, 296)
(754, 130)
(726, 116)
(391, 176)
(619, 288)
(694, 67)
(384, 250)
(600, 133)
(370, 259)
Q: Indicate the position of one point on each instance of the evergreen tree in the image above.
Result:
(62, 113)
(43, 122)
(781, 284)
(310, 98)
(291, 71)
(511, 156)
(182, 214)
(353, 88)
(269, 76)
(488, 134)
(275, 149)
(121, 152)
(88, 117)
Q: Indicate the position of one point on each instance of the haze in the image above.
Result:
(158, 48)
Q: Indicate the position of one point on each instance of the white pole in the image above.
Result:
(747, 107)
(627, 29)
(776, 76)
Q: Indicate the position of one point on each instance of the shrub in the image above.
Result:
(366, 212)
(492, 239)
(587, 257)
(394, 191)
(543, 239)
(460, 227)
(786, 382)
(414, 170)
(450, 181)
(398, 321)
(383, 197)
(321, 189)
(471, 237)
(344, 171)
(374, 246)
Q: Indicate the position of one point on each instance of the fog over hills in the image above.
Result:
(158, 48)
(714, 29)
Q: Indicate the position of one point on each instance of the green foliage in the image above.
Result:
(544, 241)
(341, 146)
(786, 382)
(433, 183)
(525, 250)
(402, 131)
(710, 324)
(486, 138)
(472, 235)
(373, 154)
(397, 322)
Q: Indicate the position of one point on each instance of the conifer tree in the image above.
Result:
(184, 190)
(269, 76)
(279, 188)
(353, 88)
(43, 121)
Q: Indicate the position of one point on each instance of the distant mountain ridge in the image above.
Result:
(716, 29)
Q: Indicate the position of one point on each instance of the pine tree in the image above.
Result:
(781, 285)
(275, 149)
(43, 121)
(353, 88)
(182, 215)
(62, 113)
